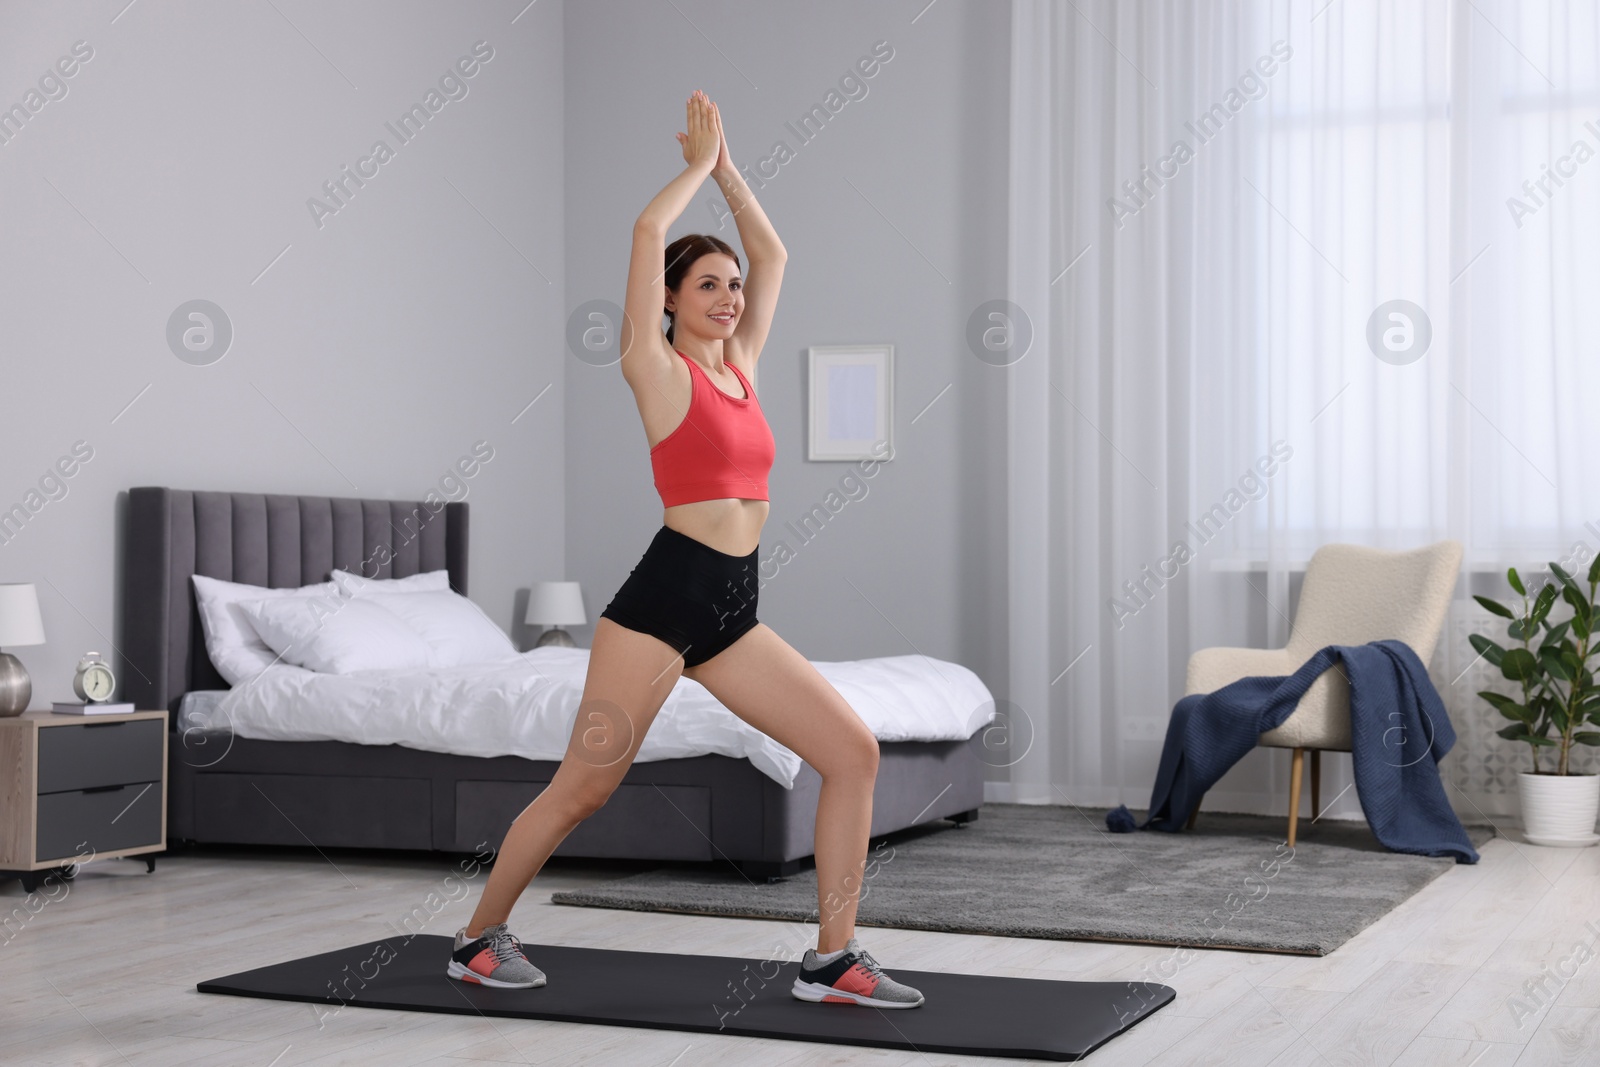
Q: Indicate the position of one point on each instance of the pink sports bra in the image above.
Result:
(722, 448)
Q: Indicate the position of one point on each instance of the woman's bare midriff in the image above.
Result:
(729, 525)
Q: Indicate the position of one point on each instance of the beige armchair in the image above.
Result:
(1351, 595)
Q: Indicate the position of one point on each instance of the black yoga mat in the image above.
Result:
(966, 1014)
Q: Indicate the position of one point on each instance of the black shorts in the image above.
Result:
(688, 594)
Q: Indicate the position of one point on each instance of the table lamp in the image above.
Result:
(20, 624)
(555, 604)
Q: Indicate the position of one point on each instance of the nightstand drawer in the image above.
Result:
(104, 820)
(90, 754)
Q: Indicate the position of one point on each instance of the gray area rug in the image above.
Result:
(1053, 871)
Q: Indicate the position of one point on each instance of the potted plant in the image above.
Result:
(1560, 705)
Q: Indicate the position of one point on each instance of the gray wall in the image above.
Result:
(894, 218)
(368, 354)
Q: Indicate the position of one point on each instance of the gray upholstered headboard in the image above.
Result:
(262, 539)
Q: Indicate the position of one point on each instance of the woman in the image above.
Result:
(688, 608)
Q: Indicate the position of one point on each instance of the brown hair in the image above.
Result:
(683, 254)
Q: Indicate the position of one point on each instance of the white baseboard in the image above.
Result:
(1108, 797)
(1494, 810)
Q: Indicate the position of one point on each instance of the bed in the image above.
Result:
(226, 787)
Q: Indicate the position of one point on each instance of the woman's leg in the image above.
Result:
(769, 685)
(630, 676)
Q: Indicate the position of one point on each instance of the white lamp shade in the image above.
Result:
(555, 604)
(20, 621)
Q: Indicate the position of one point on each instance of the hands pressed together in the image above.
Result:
(705, 144)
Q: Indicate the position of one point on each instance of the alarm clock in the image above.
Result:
(94, 681)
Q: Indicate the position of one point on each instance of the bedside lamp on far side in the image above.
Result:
(20, 624)
(555, 604)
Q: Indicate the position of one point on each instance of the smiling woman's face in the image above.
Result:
(711, 299)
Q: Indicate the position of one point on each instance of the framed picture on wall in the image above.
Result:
(852, 402)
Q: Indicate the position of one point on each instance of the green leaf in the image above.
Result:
(1569, 658)
(1587, 737)
(1580, 604)
(1517, 731)
(1554, 664)
(1556, 633)
(1558, 718)
(1494, 607)
(1506, 706)
(1487, 648)
(1516, 582)
(1555, 569)
(1519, 664)
(1542, 603)
(1594, 570)
(1542, 742)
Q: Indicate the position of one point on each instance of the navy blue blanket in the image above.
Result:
(1399, 732)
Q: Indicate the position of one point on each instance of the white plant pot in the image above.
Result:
(1559, 809)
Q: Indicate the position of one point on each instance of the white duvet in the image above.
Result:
(526, 706)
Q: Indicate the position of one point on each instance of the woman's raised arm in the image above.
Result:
(767, 256)
(700, 147)
(642, 306)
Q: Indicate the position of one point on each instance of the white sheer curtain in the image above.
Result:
(1234, 227)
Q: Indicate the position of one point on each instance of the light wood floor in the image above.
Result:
(106, 974)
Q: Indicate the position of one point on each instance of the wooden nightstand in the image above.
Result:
(74, 788)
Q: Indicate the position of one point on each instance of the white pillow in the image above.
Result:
(455, 629)
(233, 644)
(335, 635)
(353, 584)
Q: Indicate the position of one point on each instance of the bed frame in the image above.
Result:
(224, 789)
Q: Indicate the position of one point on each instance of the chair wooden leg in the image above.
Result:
(1316, 783)
(1294, 791)
(1193, 815)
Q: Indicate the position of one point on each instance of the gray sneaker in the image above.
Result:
(853, 977)
(493, 958)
